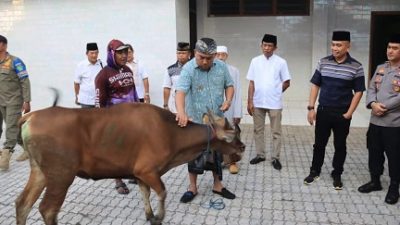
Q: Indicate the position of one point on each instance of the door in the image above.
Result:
(383, 24)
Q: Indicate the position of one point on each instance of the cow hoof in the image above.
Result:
(155, 221)
(149, 217)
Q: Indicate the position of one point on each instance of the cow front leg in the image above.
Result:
(145, 190)
(161, 208)
(32, 191)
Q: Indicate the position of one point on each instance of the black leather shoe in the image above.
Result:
(276, 164)
(392, 197)
(369, 187)
(256, 160)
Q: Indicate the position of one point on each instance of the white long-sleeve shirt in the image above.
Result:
(235, 110)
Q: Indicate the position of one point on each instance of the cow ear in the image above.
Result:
(229, 135)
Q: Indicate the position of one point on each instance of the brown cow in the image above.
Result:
(123, 141)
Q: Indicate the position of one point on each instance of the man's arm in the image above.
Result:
(146, 90)
(76, 89)
(285, 85)
(237, 99)
(101, 90)
(311, 103)
(26, 92)
(250, 94)
(166, 94)
(167, 84)
(181, 115)
(229, 91)
(353, 105)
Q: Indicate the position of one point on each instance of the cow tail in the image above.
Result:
(56, 97)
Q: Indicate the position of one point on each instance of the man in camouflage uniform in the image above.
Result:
(15, 97)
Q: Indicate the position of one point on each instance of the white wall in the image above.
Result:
(302, 40)
(182, 21)
(243, 35)
(51, 35)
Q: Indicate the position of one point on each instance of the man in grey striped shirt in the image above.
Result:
(339, 80)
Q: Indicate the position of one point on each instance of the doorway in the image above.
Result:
(383, 24)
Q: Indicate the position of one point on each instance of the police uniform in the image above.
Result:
(384, 131)
(14, 91)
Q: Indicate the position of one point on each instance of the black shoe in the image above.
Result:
(311, 178)
(276, 164)
(225, 193)
(188, 197)
(393, 194)
(256, 160)
(337, 182)
(369, 187)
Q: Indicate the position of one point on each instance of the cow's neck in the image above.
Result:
(192, 141)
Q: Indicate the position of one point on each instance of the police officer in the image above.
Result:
(15, 96)
(383, 97)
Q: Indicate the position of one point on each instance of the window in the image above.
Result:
(258, 7)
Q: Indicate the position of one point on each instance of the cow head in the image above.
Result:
(228, 137)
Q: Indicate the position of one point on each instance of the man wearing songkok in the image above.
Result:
(172, 74)
(202, 85)
(85, 73)
(268, 77)
(339, 80)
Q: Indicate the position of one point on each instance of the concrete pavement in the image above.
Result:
(264, 195)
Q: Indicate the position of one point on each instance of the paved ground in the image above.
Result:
(264, 195)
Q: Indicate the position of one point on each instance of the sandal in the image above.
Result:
(225, 193)
(188, 196)
(122, 188)
(132, 181)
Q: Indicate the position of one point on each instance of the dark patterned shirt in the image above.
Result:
(337, 81)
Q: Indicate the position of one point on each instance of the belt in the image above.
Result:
(335, 109)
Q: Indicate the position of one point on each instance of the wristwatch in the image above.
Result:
(309, 108)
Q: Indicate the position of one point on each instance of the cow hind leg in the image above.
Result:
(154, 181)
(54, 197)
(145, 190)
(30, 194)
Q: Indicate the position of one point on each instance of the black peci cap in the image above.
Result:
(341, 36)
(269, 38)
(3, 39)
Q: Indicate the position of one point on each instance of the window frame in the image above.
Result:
(274, 12)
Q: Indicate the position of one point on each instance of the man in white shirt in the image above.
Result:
(85, 74)
(140, 76)
(172, 74)
(234, 113)
(269, 77)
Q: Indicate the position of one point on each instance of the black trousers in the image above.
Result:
(330, 119)
(382, 140)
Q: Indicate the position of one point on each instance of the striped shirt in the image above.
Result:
(337, 81)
